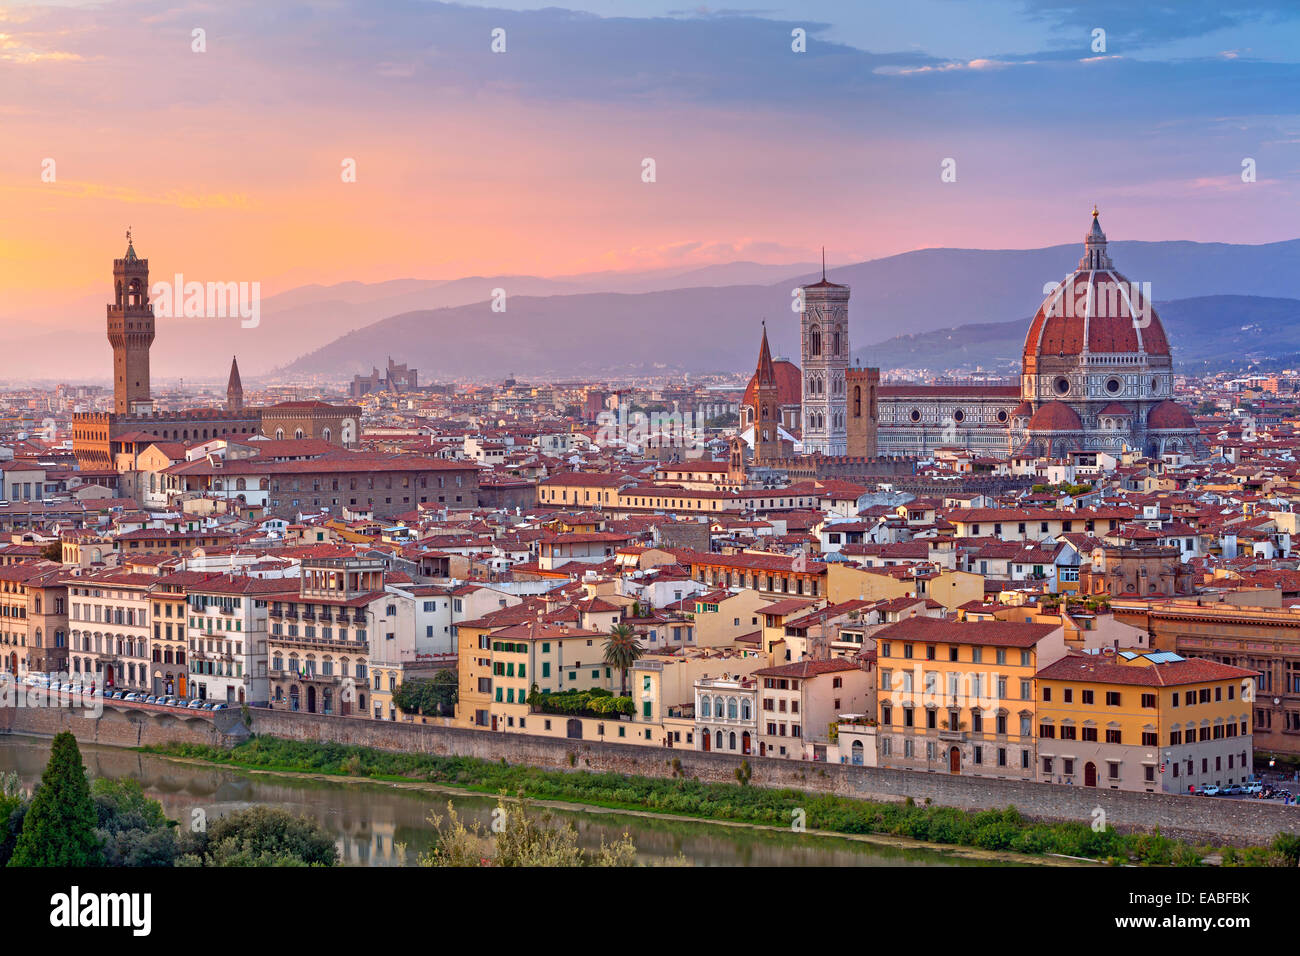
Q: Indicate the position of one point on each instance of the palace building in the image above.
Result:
(1096, 375)
(109, 440)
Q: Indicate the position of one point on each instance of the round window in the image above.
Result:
(1155, 385)
(916, 415)
(1002, 415)
(959, 416)
(1062, 385)
(1113, 386)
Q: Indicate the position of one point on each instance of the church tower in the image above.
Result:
(767, 408)
(824, 327)
(234, 389)
(130, 332)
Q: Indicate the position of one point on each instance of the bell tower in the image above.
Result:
(824, 328)
(767, 413)
(234, 388)
(130, 332)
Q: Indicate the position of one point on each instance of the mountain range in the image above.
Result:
(985, 298)
(961, 309)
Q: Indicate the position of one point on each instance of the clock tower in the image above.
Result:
(824, 337)
(130, 332)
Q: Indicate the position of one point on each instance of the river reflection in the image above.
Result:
(373, 823)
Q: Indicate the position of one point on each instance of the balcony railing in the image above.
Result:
(332, 643)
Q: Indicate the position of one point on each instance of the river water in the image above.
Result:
(378, 825)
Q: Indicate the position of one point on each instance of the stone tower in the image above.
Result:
(824, 327)
(864, 417)
(234, 388)
(767, 408)
(130, 332)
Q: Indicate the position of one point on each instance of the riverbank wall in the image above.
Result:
(1240, 822)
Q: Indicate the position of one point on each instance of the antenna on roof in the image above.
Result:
(823, 263)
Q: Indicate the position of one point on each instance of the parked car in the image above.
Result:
(118, 695)
(1232, 789)
(195, 704)
(1253, 788)
(131, 697)
(1210, 791)
(217, 706)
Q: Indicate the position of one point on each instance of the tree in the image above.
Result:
(437, 695)
(133, 829)
(59, 828)
(53, 551)
(622, 650)
(13, 807)
(261, 836)
(519, 839)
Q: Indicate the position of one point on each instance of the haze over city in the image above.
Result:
(469, 162)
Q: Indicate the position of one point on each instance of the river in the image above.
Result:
(378, 825)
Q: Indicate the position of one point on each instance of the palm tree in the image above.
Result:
(622, 650)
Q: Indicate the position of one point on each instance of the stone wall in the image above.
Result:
(1204, 819)
(127, 727)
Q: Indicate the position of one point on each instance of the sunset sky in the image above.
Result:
(226, 163)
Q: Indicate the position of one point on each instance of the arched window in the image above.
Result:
(718, 709)
(814, 348)
(731, 740)
(718, 739)
(857, 401)
(731, 708)
(279, 434)
(297, 433)
(706, 707)
(745, 709)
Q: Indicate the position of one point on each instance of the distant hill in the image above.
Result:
(1207, 333)
(984, 293)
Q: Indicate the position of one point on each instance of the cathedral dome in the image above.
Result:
(789, 385)
(1056, 417)
(1170, 415)
(1092, 311)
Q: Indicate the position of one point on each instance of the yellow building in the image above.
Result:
(504, 655)
(1144, 720)
(958, 697)
(952, 589)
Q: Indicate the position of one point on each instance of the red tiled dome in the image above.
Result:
(1023, 410)
(789, 385)
(1055, 417)
(1170, 415)
(1115, 408)
(1093, 310)
(1100, 303)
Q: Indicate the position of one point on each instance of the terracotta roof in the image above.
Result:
(1055, 417)
(1105, 669)
(1170, 415)
(805, 669)
(933, 630)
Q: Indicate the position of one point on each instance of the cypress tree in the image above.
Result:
(59, 828)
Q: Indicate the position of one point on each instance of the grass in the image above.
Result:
(996, 830)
